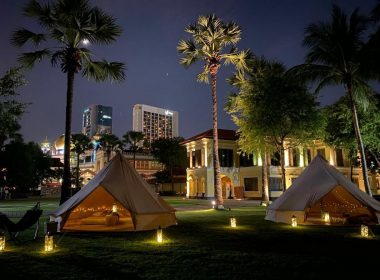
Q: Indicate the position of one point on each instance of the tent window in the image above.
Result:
(339, 157)
(275, 184)
(251, 184)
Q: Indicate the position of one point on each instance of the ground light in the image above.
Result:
(233, 222)
(213, 203)
(2, 242)
(294, 221)
(364, 230)
(49, 243)
(159, 234)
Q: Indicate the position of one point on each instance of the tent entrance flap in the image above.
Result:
(342, 208)
(99, 211)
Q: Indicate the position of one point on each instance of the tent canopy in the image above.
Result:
(116, 199)
(320, 189)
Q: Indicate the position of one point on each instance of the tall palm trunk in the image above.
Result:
(359, 139)
(77, 173)
(217, 180)
(282, 161)
(134, 159)
(265, 185)
(66, 184)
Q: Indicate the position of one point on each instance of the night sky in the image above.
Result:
(151, 32)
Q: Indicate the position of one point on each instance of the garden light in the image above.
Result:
(49, 243)
(294, 221)
(2, 242)
(364, 230)
(233, 222)
(159, 234)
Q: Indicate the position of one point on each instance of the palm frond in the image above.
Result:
(186, 47)
(105, 30)
(203, 76)
(29, 59)
(20, 37)
(41, 12)
(238, 59)
(102, 71)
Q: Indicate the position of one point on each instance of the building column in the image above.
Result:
(302, 157)
(205, 154)
(332, 157)
(286, 157)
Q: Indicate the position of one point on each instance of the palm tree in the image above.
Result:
(109, 143)
(210, 38)
(335, 57)
(68, 25)
(80, 144)
(134, 140)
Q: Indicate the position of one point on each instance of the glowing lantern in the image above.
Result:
(49, 243)
(213, 203)
(114, 208)
(364, 230)
(233, 221)
(294, 221)
(326, 217)
(159, 234)
(2, 242)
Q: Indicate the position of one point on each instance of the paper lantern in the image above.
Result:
(114, 208)
(2, 242)
(294, 221)
(159, 234)
(49, 243)
(364, 230)
(233, 221)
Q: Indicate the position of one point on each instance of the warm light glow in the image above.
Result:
(213, 203)
(159, 235)
(233, 221)
(2, 242)
(294, 221)
(326, 217)
(114, 208)
(364, 230)
(49, 243)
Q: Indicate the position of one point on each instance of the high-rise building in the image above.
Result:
(155, 122)
(97, 119)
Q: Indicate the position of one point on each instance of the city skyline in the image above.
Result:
(151, 33)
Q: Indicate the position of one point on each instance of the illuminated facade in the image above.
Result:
(241, 175)
(155, 122)
(97, 119)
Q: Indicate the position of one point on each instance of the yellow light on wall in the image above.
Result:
(364, 230)
(294, 221)
(233, 221)
(2, 242)
(326, 217)
(159, 234)
(49, 243)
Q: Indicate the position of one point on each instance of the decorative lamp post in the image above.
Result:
(49, 243)
(364, 230)
(233, 222)
(2, 242)
(159, 234)
(294, 221)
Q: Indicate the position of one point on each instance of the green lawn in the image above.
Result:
(202, 246)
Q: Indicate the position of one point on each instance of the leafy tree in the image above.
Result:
(171, 153)
(210, 38)
(134, 140)
(109, 143)
(10, 109)
(336, 57)
(80, 144)
(340, 131)
(24, 166)
(68, 25)
(273, 108)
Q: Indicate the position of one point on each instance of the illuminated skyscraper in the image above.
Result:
(97, 119)
(155, 122)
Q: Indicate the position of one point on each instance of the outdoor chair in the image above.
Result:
(30, 218)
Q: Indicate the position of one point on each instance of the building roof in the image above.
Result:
(223, 134)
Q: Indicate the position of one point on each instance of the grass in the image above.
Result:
(202, 246)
